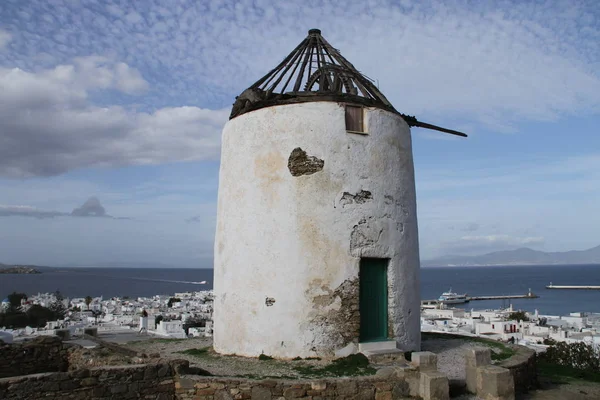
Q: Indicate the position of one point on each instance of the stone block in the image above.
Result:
(90, 331)
(364, 394)
(425, 360)
(495, 383)
(400, 390)
(383, 386)
(89, 381)
(261, 393)
(68, 385)
(164, 371)
(294, 393)
(351, 348)
(185, 383)
(346, 388)
(434, 386)
(383, 396)
(385, 372)
(223, 395)
(478, 357)
(64, 334)
(475, 358)
(118, 389)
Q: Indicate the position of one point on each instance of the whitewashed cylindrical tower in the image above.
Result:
(316, 247)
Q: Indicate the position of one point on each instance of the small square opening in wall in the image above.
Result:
(355, 121)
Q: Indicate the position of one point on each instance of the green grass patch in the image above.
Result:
(260, 377)
(155, 340)
(202, 352)
(499, 350)
(561, 374)
(161, 340)
(353, 365)
(307, 358)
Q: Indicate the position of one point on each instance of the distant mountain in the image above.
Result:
(522, 256)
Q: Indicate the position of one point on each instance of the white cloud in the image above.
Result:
(49, 126)
(458, 62)
(5, 38)
(27, 211)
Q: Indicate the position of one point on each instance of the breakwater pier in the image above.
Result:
(436, 302)
(573, 287)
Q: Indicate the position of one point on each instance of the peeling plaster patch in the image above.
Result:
(400, 227)
(337, 316)
(364, 235)
(404, 210)
(300, 163)
(388, 199)
(359, 198)
(269, 301)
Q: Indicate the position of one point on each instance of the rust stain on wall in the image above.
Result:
(268, 169)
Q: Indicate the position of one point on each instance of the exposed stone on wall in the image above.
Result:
(43, 354)
(359, 198)
(152, 382)
(342, 320)
(300, 163)
(388, 199)
(367, 388)
(364, 235)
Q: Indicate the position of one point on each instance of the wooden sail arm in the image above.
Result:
(412, 121)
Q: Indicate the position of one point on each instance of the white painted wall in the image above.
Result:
(172, 329)
(288, 238)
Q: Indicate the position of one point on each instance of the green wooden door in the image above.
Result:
(373, 299)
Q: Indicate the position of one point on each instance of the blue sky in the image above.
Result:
(115, 109)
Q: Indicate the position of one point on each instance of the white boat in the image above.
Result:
(450, 297)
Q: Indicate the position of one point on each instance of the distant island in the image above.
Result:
(522, 256)
(18, 269)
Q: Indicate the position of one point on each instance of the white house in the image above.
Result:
(172, 329)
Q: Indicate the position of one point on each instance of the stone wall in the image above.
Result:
(43, 354)
(152, 382)
(399, 386)
(114, 347)
(523, 368)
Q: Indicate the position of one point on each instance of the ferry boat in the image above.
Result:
(450, 297)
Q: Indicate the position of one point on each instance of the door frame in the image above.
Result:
(383, 265)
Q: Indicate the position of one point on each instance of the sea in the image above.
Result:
(475, 281)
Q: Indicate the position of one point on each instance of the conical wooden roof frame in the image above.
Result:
(316, 71)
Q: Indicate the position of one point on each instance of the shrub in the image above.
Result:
(518, 316)
(578, 355)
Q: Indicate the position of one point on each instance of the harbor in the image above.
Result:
(453, 298)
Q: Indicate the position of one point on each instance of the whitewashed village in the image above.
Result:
(160, 316)
(166, 316)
